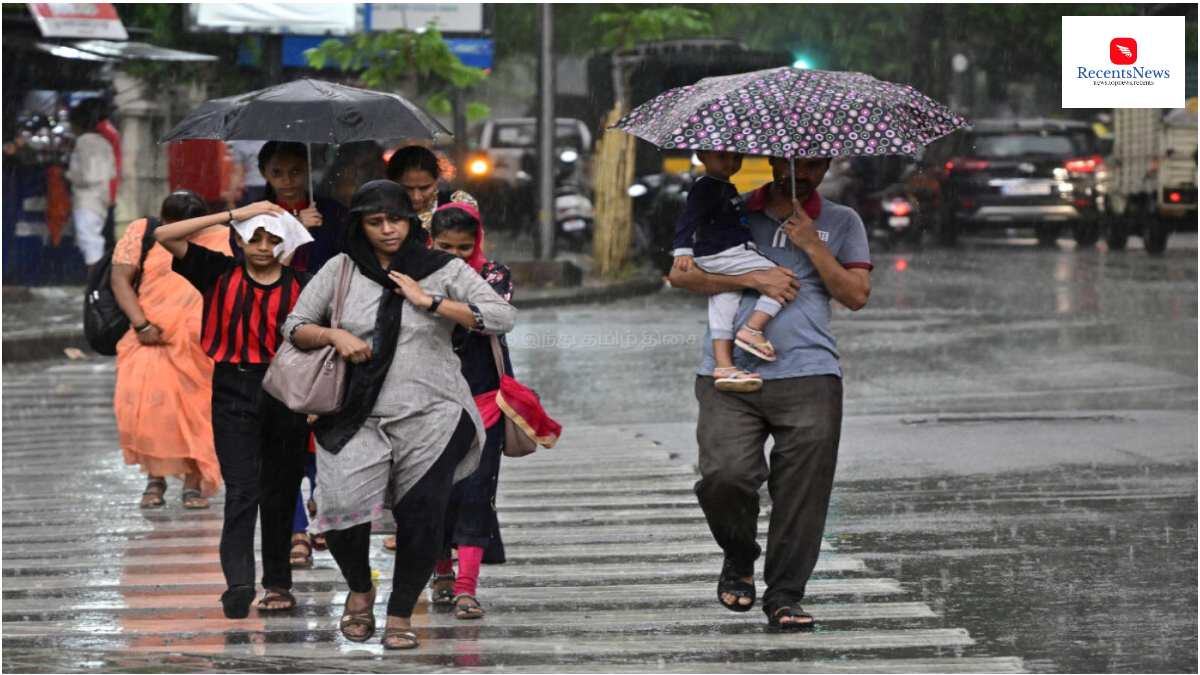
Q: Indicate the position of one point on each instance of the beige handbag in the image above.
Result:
(517, 443)
(313, 381)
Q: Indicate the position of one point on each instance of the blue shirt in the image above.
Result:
(804, 345)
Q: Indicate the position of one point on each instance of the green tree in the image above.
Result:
(387, 60)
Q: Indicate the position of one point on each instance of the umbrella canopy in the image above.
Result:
(792, 113)
(307, 111)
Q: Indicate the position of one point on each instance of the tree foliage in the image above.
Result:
(625, 26)
(387, 60)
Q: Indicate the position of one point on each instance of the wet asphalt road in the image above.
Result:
(1017, 488)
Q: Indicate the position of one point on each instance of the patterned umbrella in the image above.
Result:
(792, 113)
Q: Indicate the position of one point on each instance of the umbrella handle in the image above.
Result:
(312, 196)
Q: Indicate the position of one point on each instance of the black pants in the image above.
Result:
(471, 513)
(261, 446)
(420, 522)
(804, 416)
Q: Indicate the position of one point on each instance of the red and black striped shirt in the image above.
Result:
(242, 318)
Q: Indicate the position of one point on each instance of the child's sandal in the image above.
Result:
(761, 349)
(736, 380)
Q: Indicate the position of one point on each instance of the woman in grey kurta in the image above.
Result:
(409, 427)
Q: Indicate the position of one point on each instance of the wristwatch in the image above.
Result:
(433, 306)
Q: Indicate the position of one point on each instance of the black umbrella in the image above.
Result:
(307, 111)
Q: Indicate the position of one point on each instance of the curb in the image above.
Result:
(33, 346)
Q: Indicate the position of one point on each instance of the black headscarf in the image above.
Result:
(415, 259)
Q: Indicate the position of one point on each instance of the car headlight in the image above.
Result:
(479, 167)
(637, 190)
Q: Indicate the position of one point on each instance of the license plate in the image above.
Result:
(1026, 189)
(898, 221)
(574, 225)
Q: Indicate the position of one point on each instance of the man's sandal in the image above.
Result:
(400, 638)
(152, 496)
(441, 589)
(761, 348)
(731, 583)
(801, 620)
(364, 619)
(193, 499)
(275, 595)
(301, 556)
(467, 607)
(736, 380)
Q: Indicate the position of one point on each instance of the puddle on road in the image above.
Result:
(1074, 569)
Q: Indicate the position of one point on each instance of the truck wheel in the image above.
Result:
(1087, 233)
(1047, 235)
(1116, 232)
(1155, 235)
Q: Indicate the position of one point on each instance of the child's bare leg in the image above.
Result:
(758, 320)
(723, 353)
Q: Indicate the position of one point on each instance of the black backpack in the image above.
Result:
(104, 324)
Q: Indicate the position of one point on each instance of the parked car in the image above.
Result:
(1147, 184)
(1031, 173)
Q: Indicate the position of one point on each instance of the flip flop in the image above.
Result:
(467, 607)
(365, 618)
(736, 380)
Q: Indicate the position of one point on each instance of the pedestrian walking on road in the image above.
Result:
(164, 377)
(92, 168)
(260, 444)
(285, 168)
(824, 246)
(419, 171)
(472, 526)
(408, 428)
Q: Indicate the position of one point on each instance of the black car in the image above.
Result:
(1033, 173)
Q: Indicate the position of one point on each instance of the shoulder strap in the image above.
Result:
(497, 355)
(148, 240)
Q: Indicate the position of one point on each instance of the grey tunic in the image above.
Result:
(423, 394)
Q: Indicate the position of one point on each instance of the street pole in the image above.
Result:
(546, 134)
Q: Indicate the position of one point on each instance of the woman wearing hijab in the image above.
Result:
(408, 428)
(472, 526)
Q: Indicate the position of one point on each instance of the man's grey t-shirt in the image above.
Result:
(804, 345)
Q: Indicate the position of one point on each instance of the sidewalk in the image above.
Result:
(40, 322)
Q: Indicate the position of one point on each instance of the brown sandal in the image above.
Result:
(364, 619)
(392, 635)
(152, 496)
(193, 499)
(467, 607)
(277, 595)
(301, 558)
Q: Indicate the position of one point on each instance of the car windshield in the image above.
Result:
(1019, 144)
(524, 135)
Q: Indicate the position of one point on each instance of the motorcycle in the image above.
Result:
(574, 213)
(658, 200)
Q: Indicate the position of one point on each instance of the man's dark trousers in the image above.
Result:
(804, 416)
